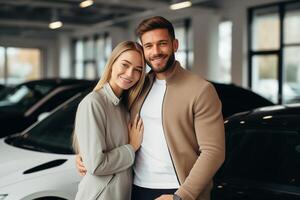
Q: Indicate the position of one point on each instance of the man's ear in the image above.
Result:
(175, 45)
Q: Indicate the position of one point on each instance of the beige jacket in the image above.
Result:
(101, 130)
(194, 130)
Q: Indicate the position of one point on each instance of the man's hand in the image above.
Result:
(165, 197)
(79, 165)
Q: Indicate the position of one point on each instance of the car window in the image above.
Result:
(59, 98)
(263, 155)
(53, 134)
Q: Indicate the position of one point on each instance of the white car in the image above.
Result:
(39, 163)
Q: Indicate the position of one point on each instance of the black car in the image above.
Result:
(262, 156)
(237, 99)
(21, 105)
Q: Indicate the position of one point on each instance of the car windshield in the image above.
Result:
(24, 96)
(53, 134)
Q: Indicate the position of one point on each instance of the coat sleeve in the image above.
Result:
(90, 129)
(209, 129)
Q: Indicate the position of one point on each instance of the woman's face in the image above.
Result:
(126, 71)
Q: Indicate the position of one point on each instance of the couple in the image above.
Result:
(175, 142)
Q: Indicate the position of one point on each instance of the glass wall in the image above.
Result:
(2, 65)
(184, 53)
(19, 64)
(225, 46)
(274, 51)
(91, 55)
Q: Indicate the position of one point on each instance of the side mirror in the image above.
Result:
(43, 116)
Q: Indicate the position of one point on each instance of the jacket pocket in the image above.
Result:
(91, 187)
(105, 186)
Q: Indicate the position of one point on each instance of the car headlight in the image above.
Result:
(3, 196)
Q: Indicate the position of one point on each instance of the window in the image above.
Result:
(225, 38)
(291, 52)
(19, 64)
(184, 53)
(274, 49)
(91, 55)
(2, 65)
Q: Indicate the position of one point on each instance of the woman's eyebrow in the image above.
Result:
(127, 61)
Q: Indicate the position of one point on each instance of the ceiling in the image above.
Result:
(26, 17)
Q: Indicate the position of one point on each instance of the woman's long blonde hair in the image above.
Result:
(131, 94)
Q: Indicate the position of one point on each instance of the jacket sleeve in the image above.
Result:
(209, 129)
(90, 129)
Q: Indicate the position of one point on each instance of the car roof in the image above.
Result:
(236, 99)
(227, 90)
(280, 116)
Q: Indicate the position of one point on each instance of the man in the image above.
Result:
(183, 144)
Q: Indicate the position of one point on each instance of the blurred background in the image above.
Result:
(253, 44)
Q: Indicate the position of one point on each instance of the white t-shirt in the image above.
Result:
(153, 166)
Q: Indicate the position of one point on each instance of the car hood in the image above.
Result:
(15, 161)
(4, 114)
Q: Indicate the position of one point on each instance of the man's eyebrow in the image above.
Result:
(149, 43)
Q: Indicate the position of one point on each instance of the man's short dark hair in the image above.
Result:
(153, 23)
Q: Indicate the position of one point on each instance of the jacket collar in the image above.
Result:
(110, 94)
(173, 77)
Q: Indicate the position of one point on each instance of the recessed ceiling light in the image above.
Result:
(86, 3)
(55, 25)
(180, 5)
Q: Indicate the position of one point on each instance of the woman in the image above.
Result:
(101, 127)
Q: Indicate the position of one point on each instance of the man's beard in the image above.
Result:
(168, 65)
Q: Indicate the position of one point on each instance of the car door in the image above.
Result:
(261, 164)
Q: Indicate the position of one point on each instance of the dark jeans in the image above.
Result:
(140, 193)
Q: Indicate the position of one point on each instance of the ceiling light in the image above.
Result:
(86, 3)
(180, 5)
(55, 22)
(55, 25)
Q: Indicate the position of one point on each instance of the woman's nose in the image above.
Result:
(129, 72)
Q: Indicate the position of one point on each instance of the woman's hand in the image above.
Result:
(136, 130)
(79, 165)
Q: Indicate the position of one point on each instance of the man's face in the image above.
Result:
(159, 49)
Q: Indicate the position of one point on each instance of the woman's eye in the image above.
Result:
(124, 65)
(138, 70)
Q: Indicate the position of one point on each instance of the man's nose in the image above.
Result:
(156, 50)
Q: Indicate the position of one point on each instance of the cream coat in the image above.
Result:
(101, 130)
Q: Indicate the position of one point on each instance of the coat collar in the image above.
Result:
(173, 77)
(110, 94)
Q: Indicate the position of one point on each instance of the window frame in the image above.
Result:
(94, 60)
(279, 53)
